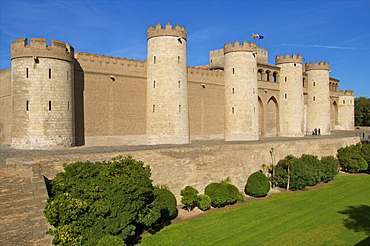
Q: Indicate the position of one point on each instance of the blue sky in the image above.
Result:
(333, 31)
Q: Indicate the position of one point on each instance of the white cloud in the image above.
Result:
(319, 46)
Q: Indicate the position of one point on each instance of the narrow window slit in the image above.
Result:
(49, 73)
(49, 105)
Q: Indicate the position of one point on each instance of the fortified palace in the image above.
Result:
(52, 97)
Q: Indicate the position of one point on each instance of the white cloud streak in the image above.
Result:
(319, 46)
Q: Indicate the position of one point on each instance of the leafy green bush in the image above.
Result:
(111, 241)
(189, 197)
(351, 159)
(314, 169)
(166, 203)
(218, 193)
(204, 202)
(93, 200)
(330, 168)
(257, 185)
(234, 193)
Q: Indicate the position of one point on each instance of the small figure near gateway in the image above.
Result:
(52, 97)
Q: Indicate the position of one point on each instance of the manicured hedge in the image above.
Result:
(257, 185)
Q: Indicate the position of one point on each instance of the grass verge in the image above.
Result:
(337, 214)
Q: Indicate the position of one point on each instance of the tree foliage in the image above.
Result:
(305, 171)
(91, 201)
(362, 111)
(257, 185)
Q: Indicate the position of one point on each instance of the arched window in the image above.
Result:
(274, 77)
(268, 75)
(259, 74)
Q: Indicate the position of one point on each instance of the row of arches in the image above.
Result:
(267, 75)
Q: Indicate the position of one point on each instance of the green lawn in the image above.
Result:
(309, 218)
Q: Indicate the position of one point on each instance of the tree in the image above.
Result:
(93, 201)
(362, 111)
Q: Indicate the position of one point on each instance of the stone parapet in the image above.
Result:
(38, 48)
(317, 66)
(158, 31)
(288, 59)
(245, 46)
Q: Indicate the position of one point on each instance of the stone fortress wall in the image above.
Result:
(119, 101)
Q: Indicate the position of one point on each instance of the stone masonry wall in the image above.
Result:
(5, 107)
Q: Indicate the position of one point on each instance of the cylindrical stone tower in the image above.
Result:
(167, 91)
(291, 108)
(318, 103)
(42, 90)
(241, 109)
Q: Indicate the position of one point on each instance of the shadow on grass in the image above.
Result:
(358, 220)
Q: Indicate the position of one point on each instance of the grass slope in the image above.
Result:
(315, 217)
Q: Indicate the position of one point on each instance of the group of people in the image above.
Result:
(316, 131)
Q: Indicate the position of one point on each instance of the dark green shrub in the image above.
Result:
(189, 197)
(314, 169)
(351, 159)
(257, 185)
(93, 200)
(234, 193)
(111, 241)
(218, 193)
(330, 168)
(204, 202)
(166, 202)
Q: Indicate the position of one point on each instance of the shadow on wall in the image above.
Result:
(358, 220)
(79, 86)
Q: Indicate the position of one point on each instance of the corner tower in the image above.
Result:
(42, 90)
(241, 109)
(291, 95)
(167, 91)
(318, 95)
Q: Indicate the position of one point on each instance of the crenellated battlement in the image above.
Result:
(108, 59)
(38, 48)
(158, 31)
(288, 59)
(346, 93)
(317, 66)
(205, 75)
(112, 65)
(245, 46)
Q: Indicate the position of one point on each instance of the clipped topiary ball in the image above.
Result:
(168, 202)
(257, 185)
(218, 193)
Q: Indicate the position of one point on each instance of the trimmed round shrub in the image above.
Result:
(189, 197)
(168, 203)
(351, 159)
(234, 193)
(204, 202)
(218, 193)
(257, 185)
